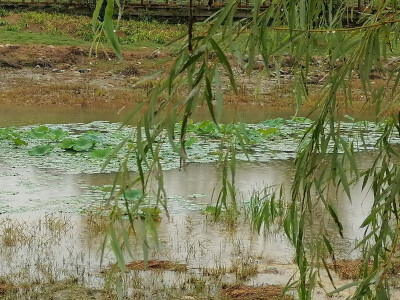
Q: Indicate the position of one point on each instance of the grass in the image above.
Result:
(61, 29)
(21, 37)
(32, 38)
(68, 289)
(244, 292)
(14, 233)
(348, 269)
(157, 265)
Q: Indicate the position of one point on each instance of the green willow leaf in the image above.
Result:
(109, 31)
(117, 249)
(96, 13)
(336, 219)
(222, 58)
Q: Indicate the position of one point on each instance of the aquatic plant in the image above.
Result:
(40, 150)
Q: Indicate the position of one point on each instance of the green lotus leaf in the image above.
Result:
(67, 144)
(93, 136)
(58, 134)
(268, 131)
(152, 211)
(83, 144)
(19, 142)
(190, 142)
(101, 153)
(40, 150)
(133, 194)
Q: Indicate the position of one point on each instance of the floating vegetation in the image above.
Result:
(240, 291)
(157, 265)
(348, 269)
(82, 148)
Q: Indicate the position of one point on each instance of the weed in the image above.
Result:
(3, 12)
(58, 225)
(199, 285)
(4, 23)
(7, 288)
(348, 269)
(217, 272)
(243, 268)
(266, 208)
(13, 28)
(13, 233)
(130, 31)
(157, 265)
(97, 224)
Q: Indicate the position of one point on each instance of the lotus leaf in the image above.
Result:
(67, 144)
(274, 123)
(101, 153)
(152, 211)
(40, 150)
(190, 142)
(133, 194)
(19, 142)
(83, 144)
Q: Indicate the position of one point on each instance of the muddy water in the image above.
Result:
(35, 201)
(188, 237)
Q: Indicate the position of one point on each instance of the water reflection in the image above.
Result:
(188, 237)
(14, 115)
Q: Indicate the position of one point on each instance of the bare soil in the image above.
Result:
(49, 75)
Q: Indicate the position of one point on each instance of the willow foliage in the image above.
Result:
(356, 45)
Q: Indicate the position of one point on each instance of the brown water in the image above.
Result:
(14, 115)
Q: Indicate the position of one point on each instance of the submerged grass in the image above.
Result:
(243, 292)
(15, 233)
(348, 269)
(68, 289)
(157, 265)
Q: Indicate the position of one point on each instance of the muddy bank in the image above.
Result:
(40, 75)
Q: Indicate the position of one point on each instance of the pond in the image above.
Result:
(49, 232)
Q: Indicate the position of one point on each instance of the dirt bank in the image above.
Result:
(67, 75)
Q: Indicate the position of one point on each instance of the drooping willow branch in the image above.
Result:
(357, 28)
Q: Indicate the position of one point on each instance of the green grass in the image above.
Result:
(12, 37)
(61, 29)
(30, 38)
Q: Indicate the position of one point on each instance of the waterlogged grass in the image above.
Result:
(196, 259)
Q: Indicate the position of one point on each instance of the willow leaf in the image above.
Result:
(222, 58)
(108, 28)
